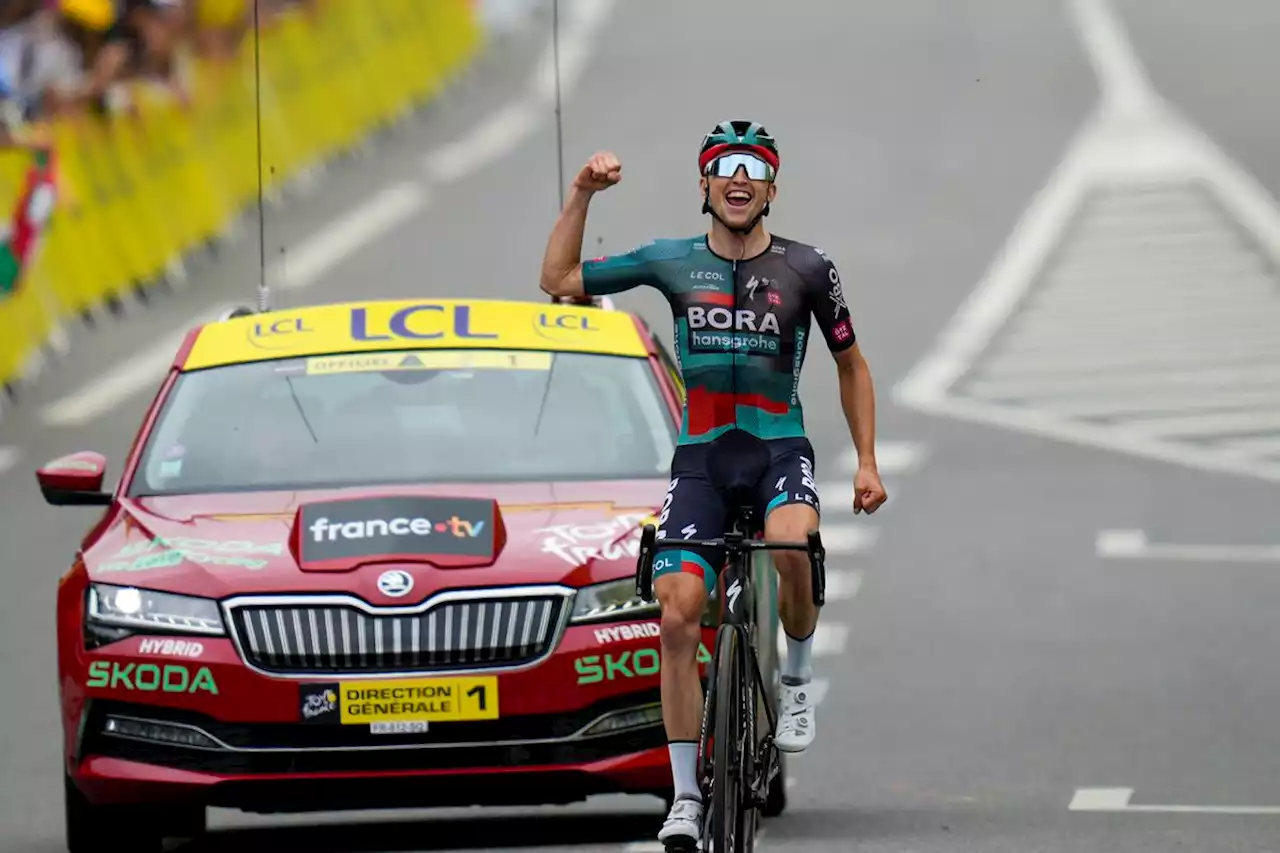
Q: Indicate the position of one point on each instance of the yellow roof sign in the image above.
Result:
(422, 324)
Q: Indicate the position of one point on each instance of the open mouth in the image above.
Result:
(738, 198)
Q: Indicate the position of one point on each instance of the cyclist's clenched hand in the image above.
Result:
(602, 171)
(868, 491)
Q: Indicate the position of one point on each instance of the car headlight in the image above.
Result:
(610, 600)
(143, 609)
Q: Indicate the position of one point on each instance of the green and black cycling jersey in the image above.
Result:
(741, 327)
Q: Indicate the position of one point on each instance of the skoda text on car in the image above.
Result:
(374, 554)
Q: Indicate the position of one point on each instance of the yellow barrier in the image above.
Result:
(138, 192)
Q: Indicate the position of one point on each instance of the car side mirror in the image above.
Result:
(75, 480)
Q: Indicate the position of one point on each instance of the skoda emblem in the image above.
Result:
(395, 583)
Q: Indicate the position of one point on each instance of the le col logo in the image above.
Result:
(707, 275)
(170, 648)
(741, 320)
(636, 631)
(322, 529)
(149, 678)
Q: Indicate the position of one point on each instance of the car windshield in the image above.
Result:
(409, 417)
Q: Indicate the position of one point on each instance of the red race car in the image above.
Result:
(374, 554)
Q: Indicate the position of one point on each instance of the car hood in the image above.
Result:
(461, 536)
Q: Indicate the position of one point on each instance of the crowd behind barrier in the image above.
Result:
(128, 134)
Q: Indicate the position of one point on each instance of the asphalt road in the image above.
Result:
(993, 663)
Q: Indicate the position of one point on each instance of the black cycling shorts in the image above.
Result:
(694, 507)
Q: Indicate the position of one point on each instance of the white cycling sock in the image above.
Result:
(684, 768)
(796, 669)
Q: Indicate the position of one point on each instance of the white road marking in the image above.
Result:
(494, 138)
(848, 538)
(842, 584)
(829, 638)
(1134, 545)
(1248, 422)
(1134, 403)
(1117, 800)
(305, 263)
(892, 457)
(141, 372)
(1140, 151)
(300, 268)
(9, 457)
(511, 126)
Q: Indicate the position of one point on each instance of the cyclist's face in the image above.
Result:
(738, 200)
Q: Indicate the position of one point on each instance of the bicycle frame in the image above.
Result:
(739, 546)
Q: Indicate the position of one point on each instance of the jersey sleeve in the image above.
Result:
(617, 273)
(826, 296)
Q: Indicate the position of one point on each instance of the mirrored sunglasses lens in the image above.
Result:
(727, 167)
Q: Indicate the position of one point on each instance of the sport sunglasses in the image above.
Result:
(727, 165)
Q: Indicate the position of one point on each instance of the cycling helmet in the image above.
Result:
(739, 136)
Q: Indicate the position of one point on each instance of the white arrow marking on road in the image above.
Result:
(1117, 800)
(1133, 545)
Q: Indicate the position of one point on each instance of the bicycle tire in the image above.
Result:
(732, 820)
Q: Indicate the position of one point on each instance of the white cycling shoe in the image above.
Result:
(795, 718)
(683, 826)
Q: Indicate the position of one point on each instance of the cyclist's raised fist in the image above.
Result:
(601, 172)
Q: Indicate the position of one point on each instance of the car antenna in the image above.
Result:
(264, 296)
(555, 61)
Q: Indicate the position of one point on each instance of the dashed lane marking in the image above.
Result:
(892, 457)
(9, 457)
(1118, 800)
(830, 638)
(843, 584)
(1134, 545)
(848, 538)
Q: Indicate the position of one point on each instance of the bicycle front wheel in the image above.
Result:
(733, 816)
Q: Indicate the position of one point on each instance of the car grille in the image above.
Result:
(339, 638)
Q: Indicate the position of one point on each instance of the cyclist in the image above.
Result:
(741, 299)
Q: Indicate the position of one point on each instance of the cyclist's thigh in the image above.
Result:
(692, 509)
(789, 479)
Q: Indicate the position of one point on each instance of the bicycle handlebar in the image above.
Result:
(733, 542)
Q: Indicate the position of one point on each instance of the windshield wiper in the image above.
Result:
(301, 413)
(546, 392)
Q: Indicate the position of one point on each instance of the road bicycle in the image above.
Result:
(737, 764)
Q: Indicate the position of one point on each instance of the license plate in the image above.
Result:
(435, 700)
(400, 727)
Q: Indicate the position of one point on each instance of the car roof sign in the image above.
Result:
(415, 324)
